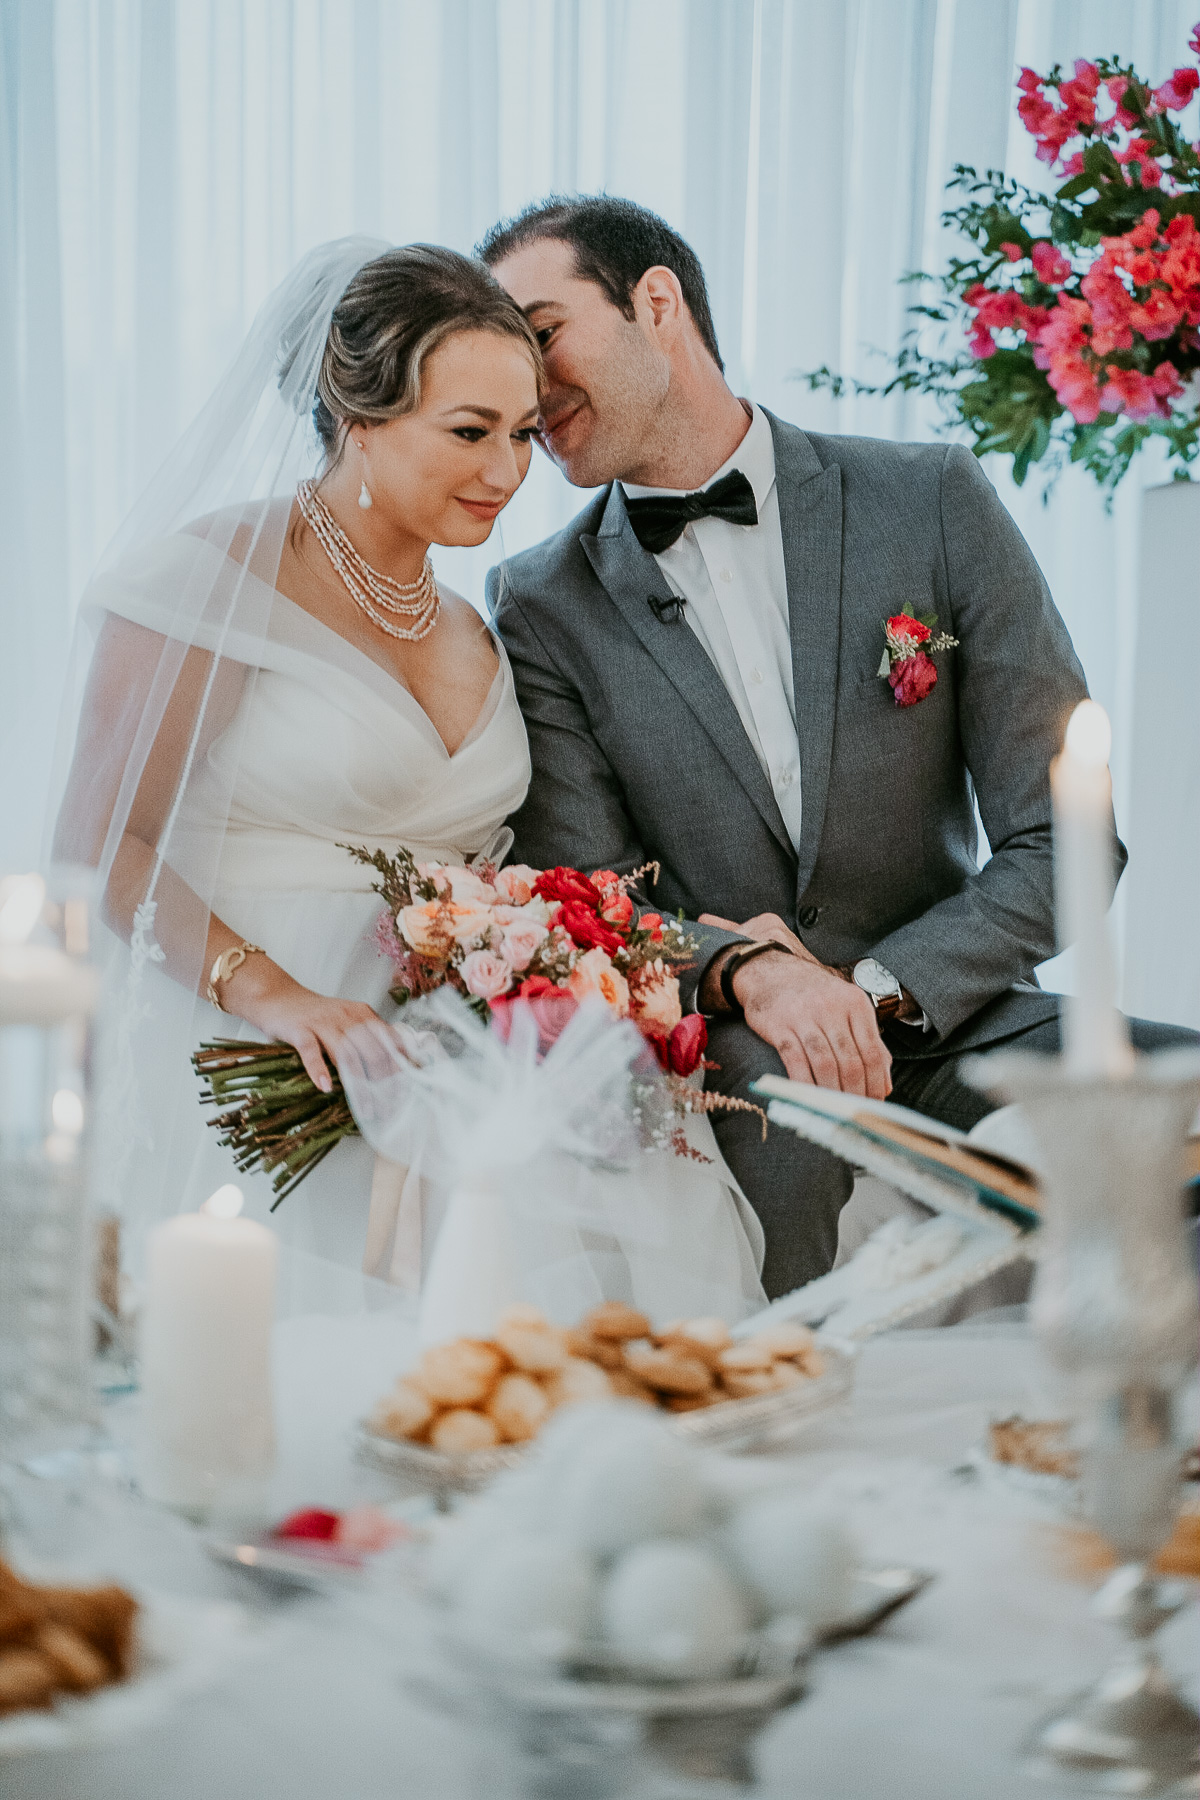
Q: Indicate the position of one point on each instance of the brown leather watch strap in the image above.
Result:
(887, 1006)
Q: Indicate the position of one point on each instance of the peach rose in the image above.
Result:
(486, 974)
(594, 974)
(515, 884)
(423, 928)
(655, 1002)
(456, 883)
(426, 928)
(520, 941)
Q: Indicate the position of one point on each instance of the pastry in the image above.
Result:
(78, 1666)
(713, 1332)
(518, 1407)
(785, 1339)
(105, 1616)
(741, 1357)
(537, 1349)
(613, 1319)
(578, 1379)
(27, 1678)
(668, 1371)
(60, 1639)
(460, 1429)
(461, 1373)
(748, 1384)
(404, 1413)
(627, 1387)
(605, 1351)
(1040, 1445)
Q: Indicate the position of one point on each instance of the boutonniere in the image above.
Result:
(909, 649)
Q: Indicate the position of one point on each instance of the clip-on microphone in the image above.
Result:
(667, 611)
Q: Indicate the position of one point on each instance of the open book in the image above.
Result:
(932, 1162)
(986, 1211)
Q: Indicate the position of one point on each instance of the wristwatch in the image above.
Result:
(734, 961)
(880, 984)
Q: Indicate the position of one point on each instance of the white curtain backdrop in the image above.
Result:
(164, 162)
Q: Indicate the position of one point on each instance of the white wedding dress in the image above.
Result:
(323, 748)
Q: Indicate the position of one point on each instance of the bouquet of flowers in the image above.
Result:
(548, 938)
(1080, 307)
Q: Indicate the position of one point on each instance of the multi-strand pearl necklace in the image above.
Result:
(373, 593)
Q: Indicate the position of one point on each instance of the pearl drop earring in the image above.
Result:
(364, 495)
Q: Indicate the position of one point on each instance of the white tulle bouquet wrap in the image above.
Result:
(555, 1160)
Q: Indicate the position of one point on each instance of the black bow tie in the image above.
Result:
(659, 519)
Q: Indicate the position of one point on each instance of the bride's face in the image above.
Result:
(444, 472)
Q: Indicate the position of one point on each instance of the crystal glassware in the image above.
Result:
(1114, 1304)
(47, 996)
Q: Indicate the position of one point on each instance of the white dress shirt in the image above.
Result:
(734, 583)
(733, 580)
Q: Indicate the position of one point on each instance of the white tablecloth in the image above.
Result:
(935, 1704)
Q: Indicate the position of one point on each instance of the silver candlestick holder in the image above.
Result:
(1114, 1304)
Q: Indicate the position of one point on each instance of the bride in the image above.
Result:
(269, 671)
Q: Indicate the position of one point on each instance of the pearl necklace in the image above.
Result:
(373, 593)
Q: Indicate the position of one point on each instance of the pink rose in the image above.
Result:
(913, 678)
(486, 974)
(654, 1004)
(594, 974)
(515, 884)
(521, 939)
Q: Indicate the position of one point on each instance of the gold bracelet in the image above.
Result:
(226, 964)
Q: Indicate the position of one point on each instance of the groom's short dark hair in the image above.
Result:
(615, 242)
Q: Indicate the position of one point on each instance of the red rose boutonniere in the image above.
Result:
(909, 649)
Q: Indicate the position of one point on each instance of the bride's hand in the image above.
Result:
(313, 1024)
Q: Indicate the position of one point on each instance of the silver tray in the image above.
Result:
(764, 1422)
(699, 1727)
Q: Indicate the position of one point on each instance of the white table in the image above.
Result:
(935, 1704)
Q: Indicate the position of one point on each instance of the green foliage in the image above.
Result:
(1003, 402)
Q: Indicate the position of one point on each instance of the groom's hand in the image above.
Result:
(822, 1027)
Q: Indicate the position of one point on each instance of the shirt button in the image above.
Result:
(756, 676)
(786, 778)
(726, 574)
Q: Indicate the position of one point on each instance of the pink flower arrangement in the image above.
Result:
(1081, 308)
(502, 935)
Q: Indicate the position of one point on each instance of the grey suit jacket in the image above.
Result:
(639, 753)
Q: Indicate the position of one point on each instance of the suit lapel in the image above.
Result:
(810, 519)
(629, 575)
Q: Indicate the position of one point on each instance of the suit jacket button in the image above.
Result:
(808, 917)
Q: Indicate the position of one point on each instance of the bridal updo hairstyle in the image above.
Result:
(394, 313)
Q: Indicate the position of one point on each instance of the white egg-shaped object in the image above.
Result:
(797, 1555)
(459, 1540)
(532, 1592)
(675, 1606)
(632, 1479)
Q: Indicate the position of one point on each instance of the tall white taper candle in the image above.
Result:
(1095, 1041)
(206, 1355)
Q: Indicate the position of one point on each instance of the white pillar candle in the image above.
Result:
(206, 1355)
(1095, 1040)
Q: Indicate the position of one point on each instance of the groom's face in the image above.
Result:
(605, 377)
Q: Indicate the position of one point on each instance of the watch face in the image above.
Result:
(875, 980)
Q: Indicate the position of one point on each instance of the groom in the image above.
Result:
(697, 656)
